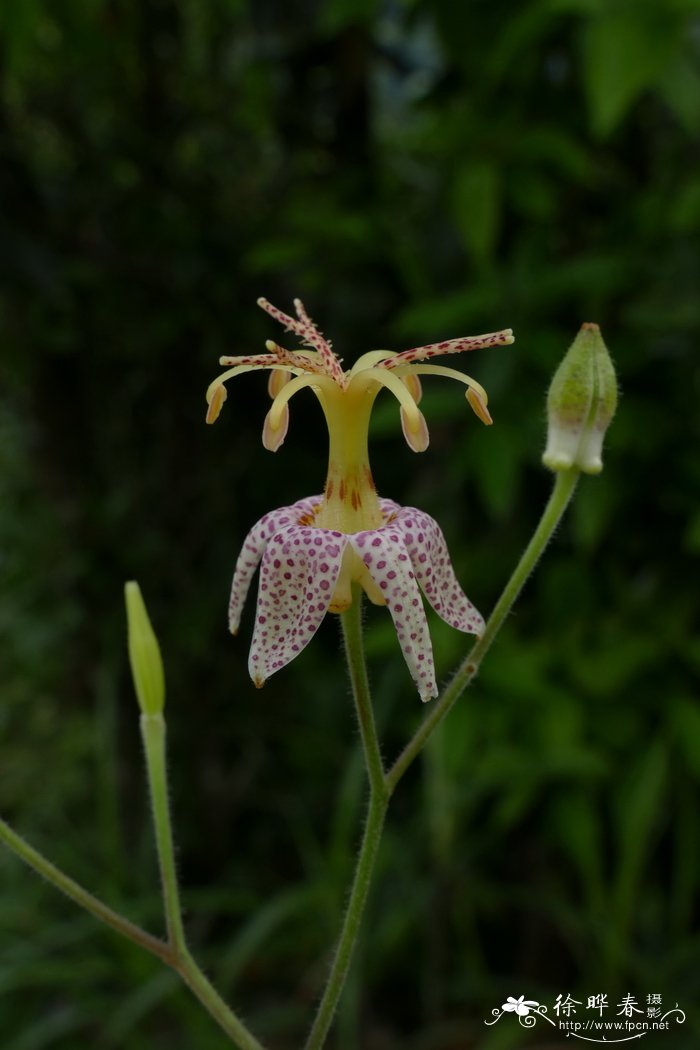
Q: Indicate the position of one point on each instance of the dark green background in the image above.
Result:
(414, 171)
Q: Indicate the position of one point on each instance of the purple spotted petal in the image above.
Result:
(299, 570)
(389, 509)
(253, 548)
(431, 563)
(384, 553)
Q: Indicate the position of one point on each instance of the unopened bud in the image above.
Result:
(144, 653)
(580, 405)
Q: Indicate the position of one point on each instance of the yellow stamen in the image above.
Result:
(239, 370)
(216, 401)
(413, 386)
(397, 388)
(369, 360)
(277, 380)
(479, 407)
(416, 433)
(273, 435)
(443, 370)
(318, 382)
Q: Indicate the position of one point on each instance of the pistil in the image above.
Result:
(350, 502)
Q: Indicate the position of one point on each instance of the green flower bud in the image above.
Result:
(580, 405)
(144, 653)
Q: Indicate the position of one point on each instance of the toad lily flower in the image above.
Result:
(313, 551)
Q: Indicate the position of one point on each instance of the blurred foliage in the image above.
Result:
(415, 170)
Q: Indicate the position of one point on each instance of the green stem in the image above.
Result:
(351, 924)
(564, 486)
(214, 1004)
(153, 734)
(80, 895)
(174, 953)
(382, 784)
(153, 731)
(351, 622)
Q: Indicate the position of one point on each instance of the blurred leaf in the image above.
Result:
(578, 828)
(46, 1029)
(266, 921)
(686, 870)
(439, 796)
(639, 804)
(476, 204)
(522, 31)
(625, 50)
(137, 1005)
(19, 22)
(685, 716)
(685, 209)
(593, 511)
(613, 663)
(336, 15)
(495, 456)
(680, 86)
(559, 150)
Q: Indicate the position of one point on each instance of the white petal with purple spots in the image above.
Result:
(386, 558)
(389, 509)
(431, 563)
(299, 570)
(253, 547)
(301, 565)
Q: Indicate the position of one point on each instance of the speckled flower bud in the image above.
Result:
(144, 653)
(580, 405)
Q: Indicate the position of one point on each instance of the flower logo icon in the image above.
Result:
(520, 1006)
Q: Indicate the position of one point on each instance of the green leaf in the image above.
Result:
(336, 15)
(476, 205)
(639, 806)
(593, 512)
(578, 829)
(625, 53)
(684, 216)
(686, 719)
(19, 21)
(495, 453)
(680, 87)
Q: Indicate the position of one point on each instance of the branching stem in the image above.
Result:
(383, 784)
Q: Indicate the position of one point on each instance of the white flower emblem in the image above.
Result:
(520, 1006)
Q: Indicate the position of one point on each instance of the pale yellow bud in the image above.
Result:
(580, 405)
(144, 653)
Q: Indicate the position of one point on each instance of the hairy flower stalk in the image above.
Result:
(313, 551)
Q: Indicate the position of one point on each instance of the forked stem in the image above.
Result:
(80, 896)
(383, 784)
(174, 953)
(153, 731)
(564, 486)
